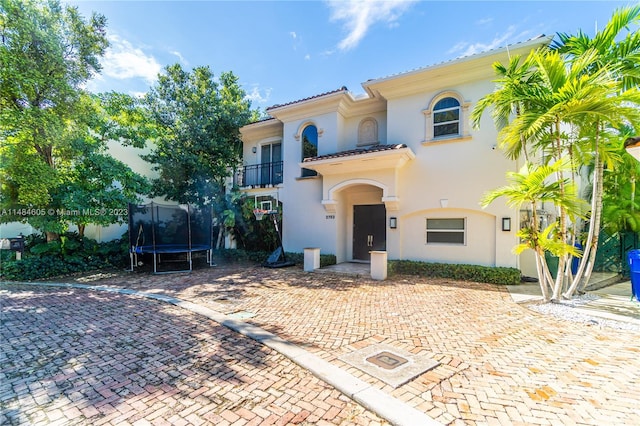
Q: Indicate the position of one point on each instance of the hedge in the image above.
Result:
(477, 273)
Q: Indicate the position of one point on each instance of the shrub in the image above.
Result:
(71, 254)
(261, 256)
(477, 273)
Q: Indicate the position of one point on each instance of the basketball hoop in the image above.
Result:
(259, 213)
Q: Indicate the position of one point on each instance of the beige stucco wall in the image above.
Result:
(460, 171)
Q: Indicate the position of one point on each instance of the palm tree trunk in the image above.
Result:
(562, 260)
(589, 253)
(542, 279)
(596, 220)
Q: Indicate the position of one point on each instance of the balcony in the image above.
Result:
(259, 175)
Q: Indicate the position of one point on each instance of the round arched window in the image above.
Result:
(446, 117)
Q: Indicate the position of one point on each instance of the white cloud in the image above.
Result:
(123, 61)
(357, 16)
(468, 48)
(259, 96)
(484, 21)
(293, 35)
(180, 57)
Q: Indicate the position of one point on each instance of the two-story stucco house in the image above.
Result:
(398, 168)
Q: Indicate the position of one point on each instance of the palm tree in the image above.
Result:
(565, 111)
(532, 186)
(621, 57)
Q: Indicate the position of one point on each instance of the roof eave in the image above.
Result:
(370, 85)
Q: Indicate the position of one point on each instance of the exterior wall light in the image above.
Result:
(393, 222)
(506, 224)
(632, 145)
(254, 149)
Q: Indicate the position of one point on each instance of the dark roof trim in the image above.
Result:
(632, 141)
(342, 89)
(353, 152)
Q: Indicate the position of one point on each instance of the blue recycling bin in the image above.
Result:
(634, 268)
(576, 260)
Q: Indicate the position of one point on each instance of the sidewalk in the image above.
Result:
(611, 302)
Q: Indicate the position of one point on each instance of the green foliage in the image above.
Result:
(252, 234)
(241, 255)
(53, 134)
(71, 254)
(197, 143)
(568, 104)
(621, 200)
(476, 273)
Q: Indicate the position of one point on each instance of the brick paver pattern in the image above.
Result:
(79, 357)
(501, 363)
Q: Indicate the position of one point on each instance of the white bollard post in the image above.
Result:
(379, 265)
(311, 259)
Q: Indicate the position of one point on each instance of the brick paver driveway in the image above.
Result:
(73, 356)
(501, 363)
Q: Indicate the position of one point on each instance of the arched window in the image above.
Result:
(446, 118)
(309, 147)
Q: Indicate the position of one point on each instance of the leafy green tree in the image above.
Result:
(98, 187)
(53, 135)
(621, 201)
(197, 146)
(560, 106)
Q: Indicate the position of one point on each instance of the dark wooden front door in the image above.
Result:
(369, 230)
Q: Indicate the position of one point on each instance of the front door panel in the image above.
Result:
(369, 231)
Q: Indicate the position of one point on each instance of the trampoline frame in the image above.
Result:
(158, 249)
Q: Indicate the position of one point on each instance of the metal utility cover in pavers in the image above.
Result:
(241, 315)
(393, 366)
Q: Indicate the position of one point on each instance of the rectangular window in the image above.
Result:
(446, 231)
(446, 122)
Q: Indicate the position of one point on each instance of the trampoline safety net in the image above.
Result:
(161, 229)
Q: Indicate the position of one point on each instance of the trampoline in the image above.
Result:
(158, 229)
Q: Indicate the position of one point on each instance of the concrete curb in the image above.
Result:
(382, 404)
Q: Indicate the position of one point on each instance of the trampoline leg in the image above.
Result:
(131, 258)
(155, 267)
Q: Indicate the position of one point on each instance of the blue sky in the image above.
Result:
(287, 50)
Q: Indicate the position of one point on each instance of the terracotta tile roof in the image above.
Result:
(352, 152)
(260, 120)
(342, 89)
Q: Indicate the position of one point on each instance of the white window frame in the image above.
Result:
(463, 231)
(457, 108)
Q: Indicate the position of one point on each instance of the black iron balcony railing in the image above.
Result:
(260, 175)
